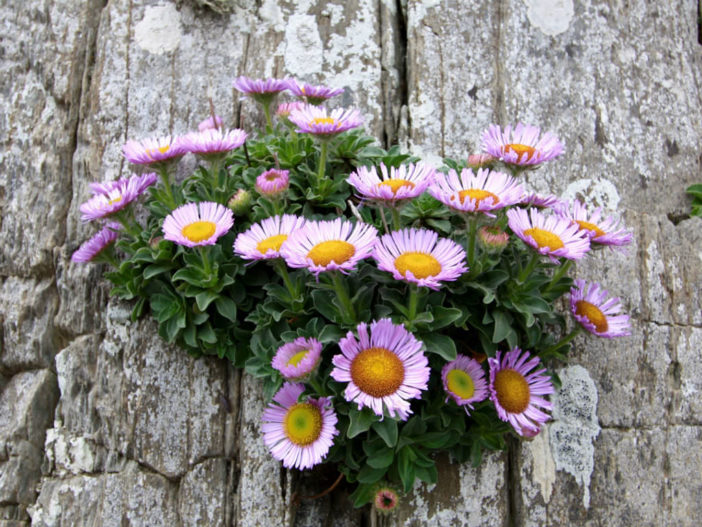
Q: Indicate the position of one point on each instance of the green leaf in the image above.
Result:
(427, 474)
(206, 334)
(502, 326)
(405, 467)
(445, 316)
(189, 275)
(330, 333)
(382, 459)
(361, 421)
(440, 344)
(226, 308)
(370, 475)
(155, 269)
(322, 301)
(204, 299)
(387, 430)
(363, 494)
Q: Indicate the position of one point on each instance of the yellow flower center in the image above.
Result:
(199, 230)
(460, 383)
(396, 184)
(337, 250)
(323, 120)
(162, 149)
(115, 200)
(512, 391)
(586, 225)
(297, 358)
(272, 242)
(303, 423)
(590, 311)
(545, 238)
(520, 149)
(377, 372)
(478, 195)
(422, 265)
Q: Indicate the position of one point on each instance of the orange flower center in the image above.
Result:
(545, 238)
(297, 358)
(520, 150)
(199, 230)
(303, 423)
(478, 195)
(512, 391)
(422, 265)
(586, 225)
(590, 311)
(377, 372)
(272, 242)
(333, 250)
(396, 184)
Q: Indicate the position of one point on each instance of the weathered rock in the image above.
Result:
(203, 495)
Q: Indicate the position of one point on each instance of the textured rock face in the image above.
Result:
(101, 423)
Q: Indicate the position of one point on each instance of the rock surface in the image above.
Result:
(102, 423)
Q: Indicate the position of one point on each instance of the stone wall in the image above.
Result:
(103, 424)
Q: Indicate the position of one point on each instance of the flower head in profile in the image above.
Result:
(464, 381)
(211, 123)
(154, 150)
(261, 90)
(598, 314)
(98, 243)
(420, 256)
(273, 182)
(195, 224)
(284, 109)
(263, 240)
(329, 245)
(541, 201)
(517, 390)
(298, 433)
(602, 231)
(523, 145)
(322, 123)
(313, 94)
(549, 235)
(483, 192)
(393, 184)
(384, 368)
(213, 141)
(110, 198)
(296, 360)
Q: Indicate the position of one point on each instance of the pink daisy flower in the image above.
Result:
(517, 391)
(548, 201)
(384, 368)
(113, 197)
(95, 245)
(297, 359)
(210, 123)
(263, 240)
(318, 121)
(195, 224)
(482, 192)
(420, 256)
(396, 184)
(262, 90)
(549, 235)
(522, 145)
(602, 231)
(596, 313)
(299, 434)
(464, 381)
(329, 245)
(313, 94)
(213, 141)
(284, 109)
(148, 151)
(273, 182)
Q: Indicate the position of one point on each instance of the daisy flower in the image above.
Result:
(148, 151)
(317, 121)
(95, 245)
(113, 197)
(313, 94)
(273, 182)
(602, 231)
(384, 368)
(262, 241)
(522, 145)
(548, 201)
(213, 141)
(299, 434)
(464, 381)
(195, 224)
(599, 315)
(549, 235)
(482, 192)
(517, 391)
(420, 256)
(210, 123)
(329, 245)
(262, 90)
(403, 182)
(297, 359)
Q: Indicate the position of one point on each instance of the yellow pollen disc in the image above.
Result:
(303, 424)
(297, 358)
(512, 391)
(460, 383)
(586, 225)
(520, 149)
(115, 200)
(322, 120)
(478, 195)
(396, 184)
(272, 242)
(199, 230)
(377, 372)
(422, 265)
(545, 238)
(590, 311)
(164, 149)
(337, 250)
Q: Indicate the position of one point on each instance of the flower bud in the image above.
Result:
(272, 183)
(386, 499)
(492, 238)
(240, 203)
(480, 160)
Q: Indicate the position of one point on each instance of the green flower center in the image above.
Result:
(460, 384)
(297, 358)
(303, 424)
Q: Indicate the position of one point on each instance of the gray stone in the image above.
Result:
(203, 496)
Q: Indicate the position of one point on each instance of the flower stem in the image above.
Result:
(170, 200)
(269, 122)
(205, 260)
(382, 217)
(529, 268)
(472, 224)
(315, 384)
(412, 303)
(558, 274)
(283, 272)
(322, 163)
(565, 340)
(396, 225)
(343, 296)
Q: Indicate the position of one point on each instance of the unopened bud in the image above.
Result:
(386, 499)
(240, 203)
(210, 123)
(480, 160)
(492, 238)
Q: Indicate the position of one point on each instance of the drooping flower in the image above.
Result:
(261, 90)
(113, 197)
(596, 313)
(285, 108)
(482, 192)
(317, 121)
(492, 238)
(386, 499)
(273, 182)
(298, 359)
(195, 224)
(99, 242)
(517, 390)
(150, 151)
(602, 231)
(213, 141)
(313, 94)
(398, 183)
(464, 381)
(384, 368)
(550, 235)
(329, 245)
(210, 123)
(420, 256)
(522, 145)
(263, 240)
(299, 434)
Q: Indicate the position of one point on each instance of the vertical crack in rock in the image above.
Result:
(236, 99)
(499, 91)
(699, 22)
(514, 516)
